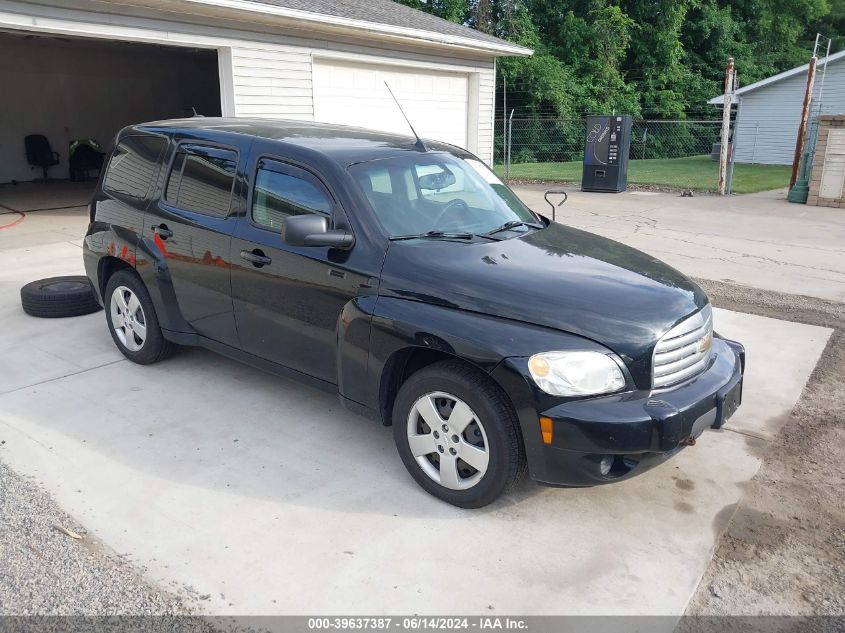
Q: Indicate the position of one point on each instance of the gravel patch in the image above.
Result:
(777, 305)
(783, 552)
(46, 570)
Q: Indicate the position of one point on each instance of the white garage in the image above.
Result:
(88, 70)
(437, 103)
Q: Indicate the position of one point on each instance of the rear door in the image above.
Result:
(288, 299)
(192, 225)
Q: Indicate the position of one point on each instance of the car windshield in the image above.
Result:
(438, 193)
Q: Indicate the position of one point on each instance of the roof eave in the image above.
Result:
(498, 49)
(720, 100)
(792, 72)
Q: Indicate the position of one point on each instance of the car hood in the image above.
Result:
(558, 277)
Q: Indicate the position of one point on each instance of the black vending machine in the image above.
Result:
(606, 153)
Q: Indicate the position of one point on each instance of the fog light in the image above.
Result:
(606, 464)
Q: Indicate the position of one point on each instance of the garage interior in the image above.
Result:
(81, 88)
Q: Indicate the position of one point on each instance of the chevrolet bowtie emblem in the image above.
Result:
(705, 343)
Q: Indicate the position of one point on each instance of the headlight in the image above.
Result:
(575, 373)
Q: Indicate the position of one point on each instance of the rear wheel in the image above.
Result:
(132, 320)
(457, 434)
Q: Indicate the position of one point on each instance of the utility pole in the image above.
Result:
(805, 117)
(505, 122)
(726, 125)
(729, 181)
(800, 191)
(510, 140)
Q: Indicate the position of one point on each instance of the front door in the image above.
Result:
(288, 299)
(192, 225)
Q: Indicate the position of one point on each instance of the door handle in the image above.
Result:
(162, 231)
(257, 257)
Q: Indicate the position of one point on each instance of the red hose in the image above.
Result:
(18, 221)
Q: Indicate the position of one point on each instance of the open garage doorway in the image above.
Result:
(80, 88)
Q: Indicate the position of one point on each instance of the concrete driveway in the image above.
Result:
(270, 498)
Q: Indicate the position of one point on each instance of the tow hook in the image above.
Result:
(690, 441)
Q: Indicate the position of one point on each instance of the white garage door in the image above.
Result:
(355, 94)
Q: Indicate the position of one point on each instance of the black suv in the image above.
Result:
(408, 279)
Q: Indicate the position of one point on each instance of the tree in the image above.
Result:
(655, 58)
(452, 10)
(831, 25)
(539, 84)
(650, 58)
(605, 88)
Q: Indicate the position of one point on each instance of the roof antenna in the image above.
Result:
(420, 145)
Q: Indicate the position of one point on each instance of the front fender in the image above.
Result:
(483, 340)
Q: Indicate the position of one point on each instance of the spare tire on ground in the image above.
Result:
(59, 297)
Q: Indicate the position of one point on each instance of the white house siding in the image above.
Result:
(289, 69)
(264, 72)
(272, 82)
(486, 109)
(768, 119)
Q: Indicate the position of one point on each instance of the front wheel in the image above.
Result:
(132, 319)
(457, 434)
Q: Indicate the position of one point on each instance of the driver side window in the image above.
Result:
(279, 195)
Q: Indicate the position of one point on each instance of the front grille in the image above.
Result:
(684, 350)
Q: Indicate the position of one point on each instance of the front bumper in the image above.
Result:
(634, 431)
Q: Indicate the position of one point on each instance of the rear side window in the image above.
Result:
(202, 179)
(133, 166)
(286, 192)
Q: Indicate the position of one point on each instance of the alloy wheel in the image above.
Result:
(128, 320)
(448, 440)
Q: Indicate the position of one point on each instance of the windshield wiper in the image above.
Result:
(434, 235)
(512, 224)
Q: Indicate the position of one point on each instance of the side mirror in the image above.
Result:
(313, 230)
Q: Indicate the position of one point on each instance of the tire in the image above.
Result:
(56, 297)
(451, 392)
(132, 319)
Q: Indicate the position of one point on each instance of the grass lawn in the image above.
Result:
(693, 172)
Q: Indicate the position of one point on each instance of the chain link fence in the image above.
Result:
(663, 154)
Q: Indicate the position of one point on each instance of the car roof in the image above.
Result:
(345, 145)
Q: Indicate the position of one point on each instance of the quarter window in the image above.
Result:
(380, 180)
(202, 179)
(280, 195)
(133, 166)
